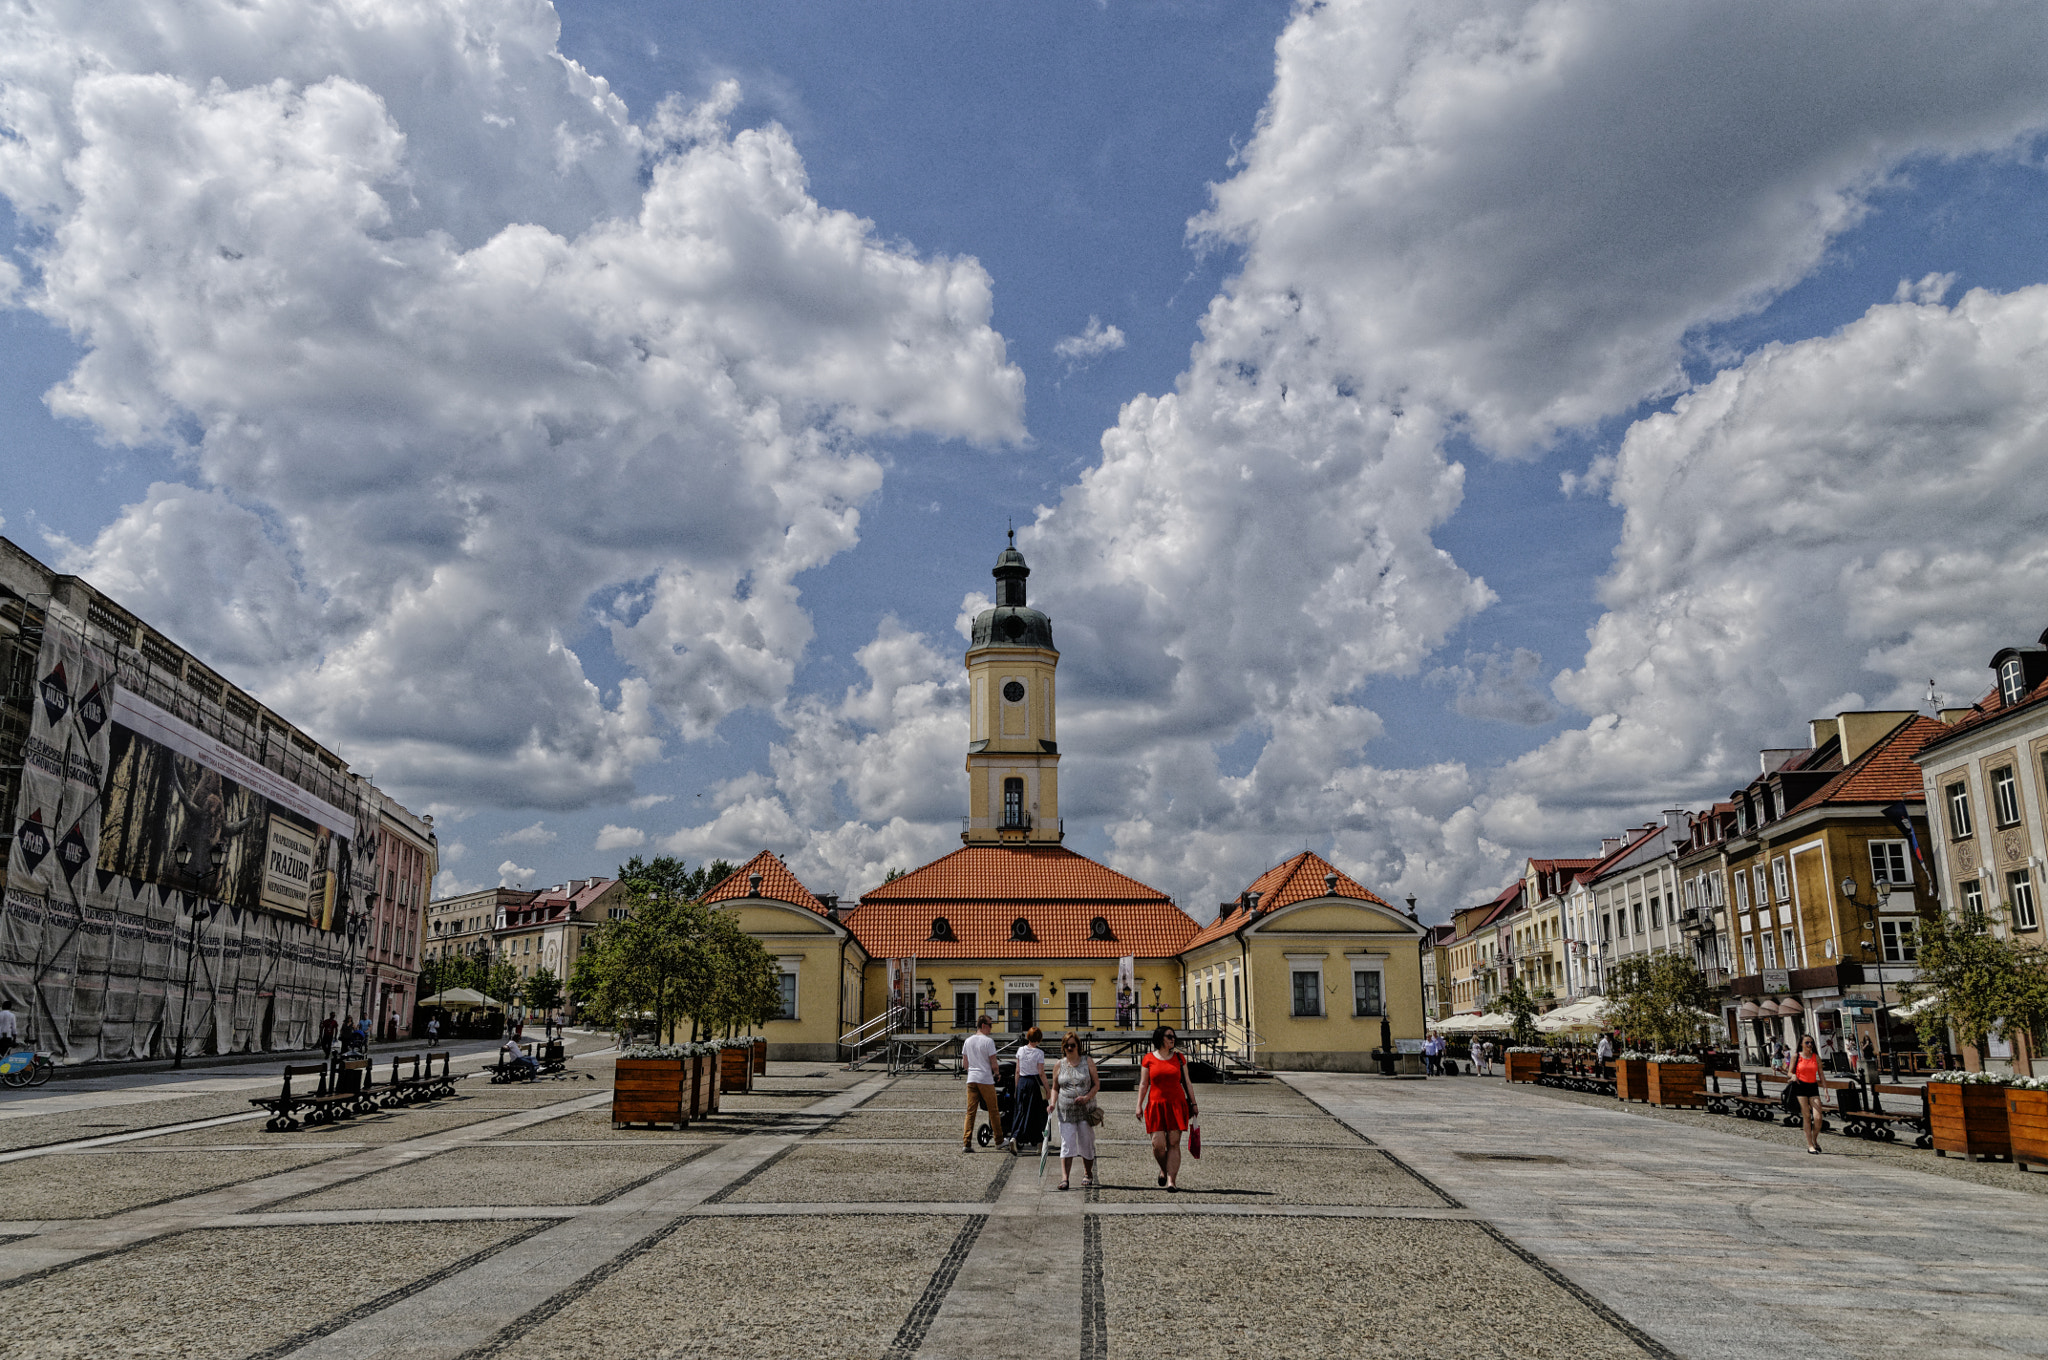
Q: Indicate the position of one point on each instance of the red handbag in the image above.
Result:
(1195, 1139)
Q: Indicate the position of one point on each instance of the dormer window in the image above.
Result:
(1098, 929)
(1020, 929)
(2011, 680)
(942, 929)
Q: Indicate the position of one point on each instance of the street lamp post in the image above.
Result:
(202, 910)
(1883, 894)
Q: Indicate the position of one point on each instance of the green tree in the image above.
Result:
(1520, 1007)
(542, 991)
(1975, 982)
(501, 983)
(892, 875)
(1659, 999)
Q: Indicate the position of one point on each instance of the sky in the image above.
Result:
(1441, 433)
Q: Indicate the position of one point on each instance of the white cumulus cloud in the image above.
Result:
(510, 875)
(462, 360)
(611, 837)
(1094, 341)
(535, 835)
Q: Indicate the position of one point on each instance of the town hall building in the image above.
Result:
(1306, 969)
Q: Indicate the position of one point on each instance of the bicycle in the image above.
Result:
(25, 1067)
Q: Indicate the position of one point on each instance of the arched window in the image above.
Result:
(1013, 802)
(1020, 929)
(942, 929)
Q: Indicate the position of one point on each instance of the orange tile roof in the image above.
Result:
(1990, 708)
(1014, 873)
(1291, 881)
(1883, 774)
(776, 882)
(982, 889)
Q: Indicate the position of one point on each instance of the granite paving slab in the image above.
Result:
(1270, 1175)
(1399, 1289)
(753, 1287)
(59, 1127)
(502, 1174)
(95, 1184)
(229, 1293)
(908, 1173)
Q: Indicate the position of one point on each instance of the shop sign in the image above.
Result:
(1777, 980)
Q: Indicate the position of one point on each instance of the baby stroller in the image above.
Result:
(1006, 1107)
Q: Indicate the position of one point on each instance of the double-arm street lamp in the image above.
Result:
(1875, 944)
(202, 910)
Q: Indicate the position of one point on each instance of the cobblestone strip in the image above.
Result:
(910, 1338)
(463, 1314)
(1094, 1304)
(33, 1257)
(1020, 1279)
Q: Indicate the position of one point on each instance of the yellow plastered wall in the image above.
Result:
(1056, 979)
(797, 936)
(1332, 936)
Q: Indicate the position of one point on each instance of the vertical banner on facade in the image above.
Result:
(1127, 992)
(902, 974)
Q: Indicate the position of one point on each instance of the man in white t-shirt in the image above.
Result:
(979, 1055)
(10, 1029)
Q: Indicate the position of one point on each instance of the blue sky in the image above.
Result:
(1480, 475)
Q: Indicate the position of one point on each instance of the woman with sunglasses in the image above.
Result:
(1165, 1104)
(1077, 1084)
(1805, 1088)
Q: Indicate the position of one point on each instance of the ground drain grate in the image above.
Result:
(1507, 1157)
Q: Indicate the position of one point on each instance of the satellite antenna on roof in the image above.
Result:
(1935, 698)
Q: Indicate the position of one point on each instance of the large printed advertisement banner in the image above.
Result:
(98, 914)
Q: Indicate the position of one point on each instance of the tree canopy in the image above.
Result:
(672, 959)
(1520, 1007)
(1660, 999)
(1976, 982)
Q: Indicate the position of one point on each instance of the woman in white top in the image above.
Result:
(1029, 1108)
(1078, 1083)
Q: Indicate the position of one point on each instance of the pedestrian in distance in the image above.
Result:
(1804, 1085)
(1604, 1054)
(328, 1029)
(1077, 1083)
(978, 1055)
(1165, 1104)
(1869, 1057)
(1028, 1105)
(10, 1028)
(433, 1031)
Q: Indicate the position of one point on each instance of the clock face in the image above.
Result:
(1014, 691)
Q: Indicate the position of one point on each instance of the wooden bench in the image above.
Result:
(1885, 1126)
(286, 1103)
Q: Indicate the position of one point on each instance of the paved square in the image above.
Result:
(831, 1213)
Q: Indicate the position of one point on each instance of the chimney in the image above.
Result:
(1251, 901)
(753, 885)
(1608, 845)
(1861, 731)
(1329, 885)
(1674, 822)
(829, 901)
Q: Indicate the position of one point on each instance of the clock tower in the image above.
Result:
(1013, 754)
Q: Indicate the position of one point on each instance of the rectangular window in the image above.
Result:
(1779, 880)
(1077, 1007)
(1308, 993)
(1639, 918)
(1959, 811)
(1888, 863)
(1741, 891)
(1749, 953)
(1973, 898)
(1721, 941)
(1899, 943)
(788, 1011)
(1761, 884)
(2005, 796)
(1770, 952)
(1365, 992)
(2019, 890)
(1606, 928)
(963, 1009)
(1791, 949)
(1656, 914)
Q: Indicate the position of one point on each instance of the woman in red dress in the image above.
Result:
(1165, 1104)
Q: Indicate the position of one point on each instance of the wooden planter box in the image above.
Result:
(650, 1091)
(2026, 1124)
(1969, 1120)
(735, 1069)
(1677, 1083)
(1524, 1066)
(1631, 1079)
(760, 1057)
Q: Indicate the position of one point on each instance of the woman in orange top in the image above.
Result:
(1805, 1085)
(1165, 1103)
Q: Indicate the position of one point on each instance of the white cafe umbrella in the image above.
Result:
(462, 999)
